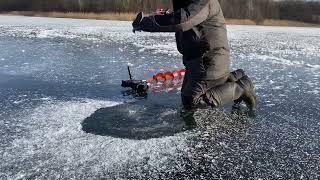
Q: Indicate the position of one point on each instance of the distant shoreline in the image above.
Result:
(131, 16)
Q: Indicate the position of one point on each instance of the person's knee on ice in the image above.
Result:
(242, 90)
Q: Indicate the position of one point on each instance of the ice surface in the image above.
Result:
(54, 73)
(54, 145)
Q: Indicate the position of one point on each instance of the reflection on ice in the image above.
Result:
(139, 120)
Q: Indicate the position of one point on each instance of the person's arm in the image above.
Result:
(182, 19)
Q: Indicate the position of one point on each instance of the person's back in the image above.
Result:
(206, 38)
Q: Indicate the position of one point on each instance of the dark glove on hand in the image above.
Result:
(149, 24)
(142, 23)
(137, 22)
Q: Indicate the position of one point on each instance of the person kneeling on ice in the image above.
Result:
(201, 38)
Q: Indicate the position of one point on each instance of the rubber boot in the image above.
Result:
(188, 118)
(239, 91)
(220, 95)
(248, 96)
(236, 75)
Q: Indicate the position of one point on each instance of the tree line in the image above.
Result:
(243, 9)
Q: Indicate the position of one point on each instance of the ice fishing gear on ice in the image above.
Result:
(176, 74)
(157, 83)
(139, 86)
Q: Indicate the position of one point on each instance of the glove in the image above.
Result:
(142, 23)
(137, 22)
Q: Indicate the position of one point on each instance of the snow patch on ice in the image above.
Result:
(55, 137)
(130, 64)
(277, 87)
(314, 66)
(315, 92)
(276, 60)
(168, 48)
(270, 105)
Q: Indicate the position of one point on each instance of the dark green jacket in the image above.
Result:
(200, 33)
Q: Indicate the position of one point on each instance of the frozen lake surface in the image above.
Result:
(56, 73)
